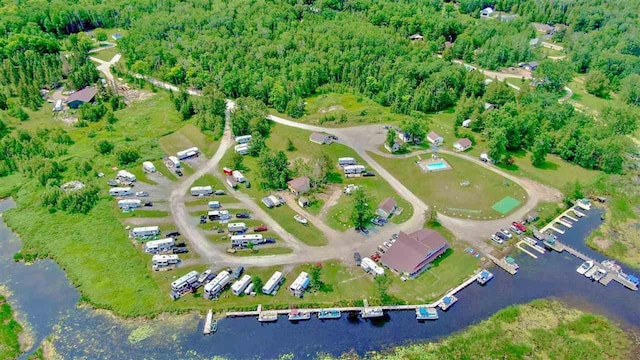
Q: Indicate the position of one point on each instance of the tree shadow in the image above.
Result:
(334, 178)
(548, 165)
(439, 259)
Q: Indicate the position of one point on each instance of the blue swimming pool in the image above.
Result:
(440, 165)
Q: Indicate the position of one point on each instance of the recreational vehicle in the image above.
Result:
(129, 203)
(213, 288)
(354, 169)
(157, 246)
(345, 161)
(148, 167)
(201, 190)
(239, 286)
(300, 284)
(244, 240)
(214, 204)
(58, 106)
(146, 231)
(369, 265)
(235, 227)
(124, 175)
(174, 161)
(249, 289)
(218, 215)
(243, 139)
(185, 154)
(242, 149)
(185, 282)
(237, 175)
(120, 191)
(159, 261)
(273, 284)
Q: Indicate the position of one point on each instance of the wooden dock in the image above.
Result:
(519, 246)
(504, 265)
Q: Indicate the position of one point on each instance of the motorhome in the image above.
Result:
(239, 286)
(158, 246)
(300, 284)
(185, 282)
(160, 261)
(244, 240)
(369, 265)
(187, 153)
(148, 167)
(124, 175)
(345, 161)
(235, 227)
(129, 203)
(354, 169)
(120, 191)
(201, 190)
(273, 284)
(214, 287)
(58, 105)
(243, 139)
(146, 231)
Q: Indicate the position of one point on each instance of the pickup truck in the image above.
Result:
(260, 228)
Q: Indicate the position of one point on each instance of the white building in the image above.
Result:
(159, 261)
(187, 153)
(273, 284)
(146, 231)
(369, 265)
(148, 167)
(185, 281)
(240, 286)
(124, 175)
(201, 190)
(344, 161)
(215, 286)
(234, 227)
(120, 191)
(157, 246)
(242, 149)
(237, 175)
(354, 169)
(243, 139)
(244, 240)
(129, 203)
(174, 161)
(300, 284)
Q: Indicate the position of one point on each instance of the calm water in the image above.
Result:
(84, 333)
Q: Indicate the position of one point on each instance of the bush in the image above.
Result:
(127, 156)
(104, 147)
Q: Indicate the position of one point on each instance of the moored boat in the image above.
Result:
(447, 301)
(371, 312)
(590, 272)
(301, 219)
(268, 316)
(484, 276)
(296, 315)
(426, 313)
(582, 269)
(599, 274)
(329, 314)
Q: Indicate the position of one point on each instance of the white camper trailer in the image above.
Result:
(158, 246)
(120, 191)
(148, 167)
(187, 153)
(124, 175)
(242, 149)
(201, 190)
(160, 261)
(273, 283)
(244, 240)
(243, 139)
(235, 227)
(146, 231)
(129, 203)
(354, 169)
(300, 284)
(185, 281)
(58, 105)
(174, 161)
(214, 287)
(237, 175)
(345, 161)
(239, 286)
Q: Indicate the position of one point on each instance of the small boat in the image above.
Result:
(214, 326)
(301, 219)
(426, 313)
(590, 272)
(447, 301)
(268, 316)
(371, 312)
(599, 274)
(484, 276)
(329, 314)
(296, 315)
(585, 267)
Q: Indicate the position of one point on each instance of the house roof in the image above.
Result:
(433, 135)
(410, 250)
(301, 183)
(319, 137)
(543, 27)
(416, 37)
(388, 204)
(533, 63)
(85, 95)
(464, 142)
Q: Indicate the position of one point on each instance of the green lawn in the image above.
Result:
(443, 189)
(186, 137)
(142, 213)
(590, 102)
(354, 109)
(106, 54)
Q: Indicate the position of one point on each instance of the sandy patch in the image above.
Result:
(330, 109)
(602, 243)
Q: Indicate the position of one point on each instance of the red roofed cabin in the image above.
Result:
(462, 145)
(299, 186)
(80, 97)
(387, 207)
(412, 253)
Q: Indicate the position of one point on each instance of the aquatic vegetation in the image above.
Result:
(9, 332)
(140, 333)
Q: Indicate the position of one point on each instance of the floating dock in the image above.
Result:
(325, 314)
(447, 302)
(426, 313)
(511, 268)
(484, 276)
(207, 323)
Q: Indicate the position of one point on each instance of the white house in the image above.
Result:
(148, 167)
(393, 148)
(462, 145)
(435, 138)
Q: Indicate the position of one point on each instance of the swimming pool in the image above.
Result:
(440, 165)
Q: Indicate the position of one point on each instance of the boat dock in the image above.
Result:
(504, 265)
(207, 323)
(520, 246)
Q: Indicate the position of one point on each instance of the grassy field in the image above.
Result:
(9, 332)
(588, 101)
(347, 110)
(106, 54)
(186, 137)
(541, 329)
(443, 189)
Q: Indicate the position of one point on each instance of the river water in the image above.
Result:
(46, 302)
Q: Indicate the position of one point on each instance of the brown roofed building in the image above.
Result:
(81, 97)
(387, 207)
(411, 253)
(462, 145)
(299, 186)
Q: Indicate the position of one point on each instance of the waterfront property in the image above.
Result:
(300, 284)
(213, 288)
(273, 284)
(411, 253)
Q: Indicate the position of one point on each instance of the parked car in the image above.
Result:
(219, 192)
(142, 193)
(357, 258)
(172, 233)
(515, 229)
(376, 221)
(178, 172)
(382, 249)
(375, 257)
(506, 233)
(363, 230)
(392, 240)
(243, 215)
(181, 244)
(112, 183)
(180, 250)
(369, 173)
(260, 228)
(148, 203)
(203, 219)
(497, 239)
(247, 184)
(519, 226)
(220, 231)
(501, 235)
(269, 241)
(394, 236)
(387, 244)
